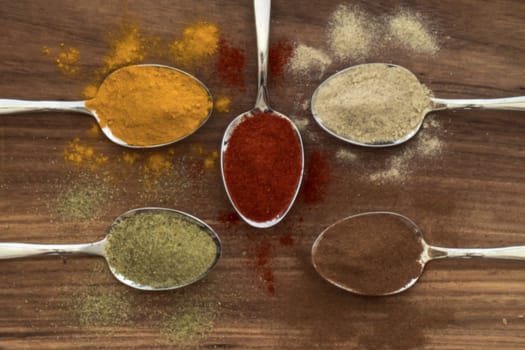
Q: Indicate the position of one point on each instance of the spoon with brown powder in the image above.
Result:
(147, 248)
(384, 253)
(138, 106)
(381, 105)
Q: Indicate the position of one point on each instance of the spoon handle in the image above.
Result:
(502, 253)
(509, 103)
(8, 106)
(262, 28)
(25, 250)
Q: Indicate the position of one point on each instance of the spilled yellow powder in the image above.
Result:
(156, 166)
(94, 130)
(67, 60)
(222, 104)
(211, 160)
(199, 42)
(130, 157)
(82, 155)
(127, 45)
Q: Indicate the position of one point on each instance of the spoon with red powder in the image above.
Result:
(262, 156)
(384, 253)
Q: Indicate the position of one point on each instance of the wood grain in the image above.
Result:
(472, 194)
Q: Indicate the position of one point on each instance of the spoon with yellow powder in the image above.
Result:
(139, 106)
(380, 105)
(145, 248)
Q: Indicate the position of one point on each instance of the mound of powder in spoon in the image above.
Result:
(372, 103)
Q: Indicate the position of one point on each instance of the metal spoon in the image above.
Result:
(437, 104)
(8, 106)
(427, 253)
(26, 250)
(262, 26)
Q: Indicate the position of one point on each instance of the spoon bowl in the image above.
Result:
(384, 253)
(434, 104)
(8, 106)
(24, 250)
(224, 147)
(262, 26)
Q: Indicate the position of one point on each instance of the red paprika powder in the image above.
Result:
(316, 178)
(230, 64)
(262, 166)
(279, 55)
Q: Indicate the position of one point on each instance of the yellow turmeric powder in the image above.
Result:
(151, 105)
(198, 43)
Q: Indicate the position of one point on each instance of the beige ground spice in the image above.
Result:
(372, 104)
(308, 61)
(351, 33)
(410, 31)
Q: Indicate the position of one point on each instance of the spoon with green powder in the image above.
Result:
(138, 106)
(146, 248)
(384, 253)
(381, 105)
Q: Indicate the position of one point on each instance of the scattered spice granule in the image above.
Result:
(345, 155)
(222, 104)
(230, 64)
(409, 30)
(103, 310)
(399, 167)
(94, 130)
(79, 154)
(279, 55)
(504, 321)
(156, 166)
(190, 324)
(130, 158)
(286, 240)
(263, 253)
(68, 61)
(199, 42)
(82, 201)
(351, 33)
(46, 51)
(211, 160)
(301, 123)
(229, 218)
(317, 177)
(308, 61)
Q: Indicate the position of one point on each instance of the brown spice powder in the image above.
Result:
(370, 254)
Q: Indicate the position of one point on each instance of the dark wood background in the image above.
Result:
(471, 195)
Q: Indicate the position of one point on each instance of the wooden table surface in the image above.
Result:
(471, 194)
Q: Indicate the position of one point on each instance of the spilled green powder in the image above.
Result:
(189, 324)
(81, 202)
(96, 310)
(160, 249)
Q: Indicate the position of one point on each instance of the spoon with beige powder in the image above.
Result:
(384, 253)
(381, 105)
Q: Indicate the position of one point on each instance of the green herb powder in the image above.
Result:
(160, 249)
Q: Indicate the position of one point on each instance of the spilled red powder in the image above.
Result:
(230, 64)
(279, 56)
(263, 253)
(286, 239)
(317, 177)
(229, 218)
(268, 278)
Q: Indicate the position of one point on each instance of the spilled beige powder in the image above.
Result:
(308, 61)
(410, 31)
(400, 166)
(351, 33)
